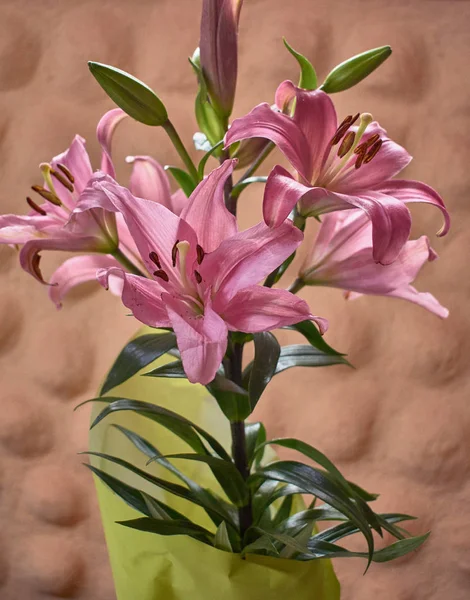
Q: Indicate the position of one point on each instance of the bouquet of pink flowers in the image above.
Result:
(182, 266)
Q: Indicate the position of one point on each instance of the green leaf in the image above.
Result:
(263, 544)
(232, 399)
(226, 473)
(355, 69)
(261, 370)
(268, 493)
(308, 76)
(129, 93)
(286, 540)
(183, 179)
(255, 435)
(221, 538)
(135, 498)
(174, 370)
(162, 527)
(239, 187)
(180, 426)
(284, 510)
(299, 355)
(314, 337)
(211, 151)
(215, 510)
(136, 355)
(333, 534)
(316, 482)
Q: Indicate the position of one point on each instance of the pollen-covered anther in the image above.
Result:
(154, 258)
(346, 144)
(343, 128)
(360, 159)
(373, 151)
(61, 179)
(35, 207)
(198, 277)
(46, 194)
(200, 254)
(66, 172)
(174, 253)
(161, 274)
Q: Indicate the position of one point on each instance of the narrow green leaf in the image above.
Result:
(287, 540)
(314, 337)
(263, 544)
(129, 93)
(183, 428)
(226, 473)
(210, 152)
(255, 434)
(268, 493)
(284, 511)
(136, 355)
(299, 355)
(174, 370)
(132, 496)
(183, 179)
(355, 69)
(232, 399)
(301, 537)
(161, 527)
(308, 76)
(239, 187)
(221, 538)
(263, 367)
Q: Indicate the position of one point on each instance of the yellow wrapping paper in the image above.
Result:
(151, 567)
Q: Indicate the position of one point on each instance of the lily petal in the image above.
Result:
(149, 180)
(391, 220)
(77, 161)
(206, 212)
(424, 299)
(104, 133)
(280, 129)
(281, 194)
(415, 191)
(29, 255)
(202, 339)
(259, 308)
(18, 229)
(178, 201)
(141, 295)
(77, 270)
(246, 258)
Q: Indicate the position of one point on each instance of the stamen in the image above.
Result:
(154, 258)
(66, 172)
(47, 195)
(62, 180)
(174, 253)
(372, 139)
(360, 159)
(346, 144)
(200, 254)
(342, 129)
(162, 275)
(35, 207)
(361, 148)
(198, 277)
(373, 151)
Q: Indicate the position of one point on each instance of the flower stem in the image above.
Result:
(180, 148)
(126, 263)
(296, 286)
(245, 513)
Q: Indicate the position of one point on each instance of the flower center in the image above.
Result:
(337, 161)
(65, 177)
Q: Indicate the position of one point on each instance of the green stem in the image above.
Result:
(296, 286)
(180, 148)
(126, 263)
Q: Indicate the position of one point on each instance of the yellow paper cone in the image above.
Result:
(153, 567)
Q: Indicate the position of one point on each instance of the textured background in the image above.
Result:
(399, 424)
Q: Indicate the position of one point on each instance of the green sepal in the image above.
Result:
(355, 69)
(132, 95)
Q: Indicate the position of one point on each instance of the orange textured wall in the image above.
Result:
(399, 424)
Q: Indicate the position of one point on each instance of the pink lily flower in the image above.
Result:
(219, 51)
(203, 272)
(96, 233)
(339, 167)
(342, 257)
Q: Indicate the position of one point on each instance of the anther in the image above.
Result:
(373, 151)
(174, 253)
(66, 172)
(372, 139)
(154, 258)
(360, 159)
(346, 144)
(198, 277)
(49, 196)
(35, 207)
(161, 274)
(200, 254)
(65, 182)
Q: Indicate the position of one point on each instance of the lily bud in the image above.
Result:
(219, 51)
